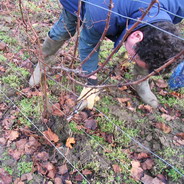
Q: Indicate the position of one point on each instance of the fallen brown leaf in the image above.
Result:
(161, 83)
(136, 171)
(163, 110)
(146, 179)
(123, 100)
(70, 102)
(56, 110)
(129, 106)
(3, 106)
(20, 145)
(32, 145)
(167, 117)
(27, 176)
(5, 178)
(2, 140)
(142, 155)
(178, 141)
(123, 88)
(2, 46)
(148, 108)
(69, 142)
(41, 156)
(63, 169)
(157, 181)
(116, 168)
(176, 94)
(90, 124)
(147, 164)
(180, 135)
(50, 168)
(86, 172)
(51, 135)
(109, 138)
(162, 178)
(68, 182)
(16, 154)
(78, 177)
(57, 180)
(162, 126)
(2, 69)
(12, 135)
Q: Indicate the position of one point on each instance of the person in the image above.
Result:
(149, 47)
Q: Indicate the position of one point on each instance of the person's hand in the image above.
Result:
(88, 97)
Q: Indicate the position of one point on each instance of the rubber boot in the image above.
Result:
(143, 88)
(50, 47)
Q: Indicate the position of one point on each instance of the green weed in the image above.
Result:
(12, 80)
(2, 58)
(32, 6)
(17, 70)
(96, 139)
(30, 108)
(174, 175)
(5, 156)
(7, 39)
(24, 167)
(8, 169)
(73, 127)
(51, 82)
(171, 101)
(25, 56)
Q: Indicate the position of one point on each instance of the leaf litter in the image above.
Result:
(23, 141)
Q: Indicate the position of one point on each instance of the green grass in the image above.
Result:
(12, 80)
(31, 108)
(171, 101)
(2, 58)
(73, 127)
(8, 169)
(15, 76)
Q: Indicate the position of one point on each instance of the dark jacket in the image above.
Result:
(123, 9)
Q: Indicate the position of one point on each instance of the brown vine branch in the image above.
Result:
(23, 20)
(169, 62)
(41, 60)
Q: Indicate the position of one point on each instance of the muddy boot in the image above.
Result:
(50, 47)
(143, 88)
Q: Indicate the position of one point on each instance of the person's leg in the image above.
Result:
(88, 40)
(143, 88)
(61, 31)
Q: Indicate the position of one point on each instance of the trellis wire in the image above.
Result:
(108, 119)
(141, 145)
(59, 110)
(130, 137)
(134, 140)
(46, 138)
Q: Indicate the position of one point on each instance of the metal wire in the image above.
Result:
(141, 145)
(46, 138)
(134, 140)
(107, 118)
